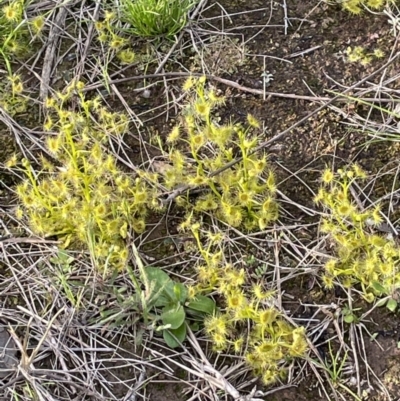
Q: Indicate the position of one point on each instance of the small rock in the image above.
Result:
(146, 93)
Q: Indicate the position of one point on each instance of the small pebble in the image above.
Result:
(352, 381)
(146, 94)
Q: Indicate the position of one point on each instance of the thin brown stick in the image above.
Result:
(20, 240)
(52, 46)
(233, 84)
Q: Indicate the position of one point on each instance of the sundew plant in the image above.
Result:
(243, 195)
(84, 199)
(248, 324)
(12, 27)
(362, 257)
(357, 6)
(15, 29)
(87, 202)
(110, 36)
(12, 98)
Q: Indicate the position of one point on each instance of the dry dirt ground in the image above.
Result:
(302, 45)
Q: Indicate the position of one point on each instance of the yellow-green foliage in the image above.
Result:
(86, 200)
(358, 54)
(12, 99)
(249, 325)
(107, 34)
(12, 27)
(361, 256)
(356, 6)
(14, 33)
(89, 203)
(154, 18)
(242, 195)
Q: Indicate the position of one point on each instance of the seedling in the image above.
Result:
(349, 316)
(177, 309)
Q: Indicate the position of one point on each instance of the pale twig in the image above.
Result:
(51, 47)
(213, 376)
(285, 17)
(302, 53)
(80, 67)
(353, 345)
(233, 84)
(277, 247)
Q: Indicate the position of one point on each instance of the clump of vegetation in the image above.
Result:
(358, 54)
(249, 325)
(152, 18)
(356, 6)
(243, 195)
(109, 36)
(86, 200)
(172, 298)
(12, 99)
(362, 257)
(12, 27)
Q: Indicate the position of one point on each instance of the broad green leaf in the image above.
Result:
(170, 291)
(378, 287)
(202, 304)
(391, 305)
(176, 292)
(349, 318)
(194, 315)
(173, 315)
(381, 302)
(180, 292)
(161, 300)
(157, 276)
(158, 280)
(174, 338)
